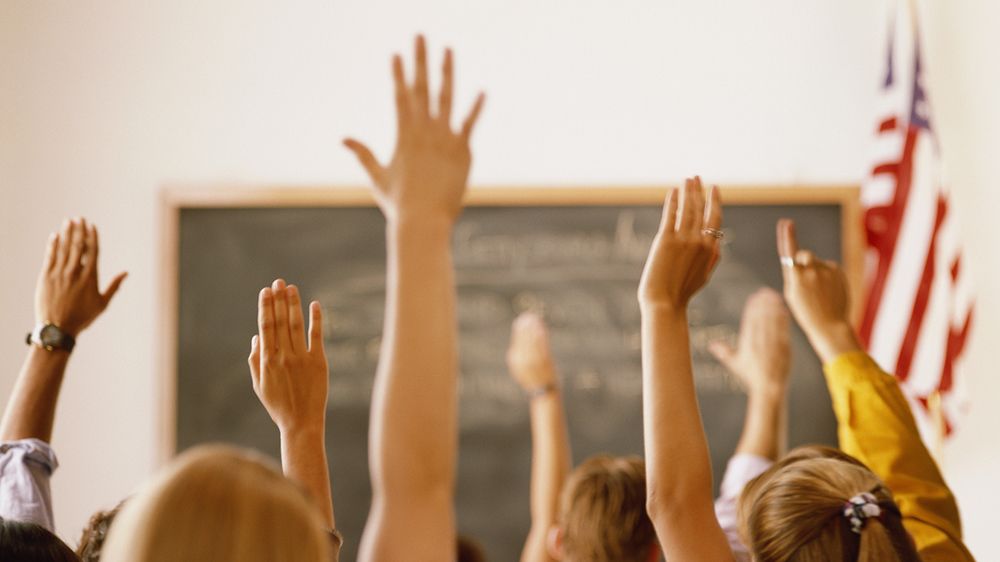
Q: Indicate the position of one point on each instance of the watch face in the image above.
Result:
(50, 336)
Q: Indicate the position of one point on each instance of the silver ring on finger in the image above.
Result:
(714, 233)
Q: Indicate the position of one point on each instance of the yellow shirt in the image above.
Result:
(876, 426)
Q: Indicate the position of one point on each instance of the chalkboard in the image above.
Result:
(574, 254)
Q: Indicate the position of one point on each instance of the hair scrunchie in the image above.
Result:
(859, 509)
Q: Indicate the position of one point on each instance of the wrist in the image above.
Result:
(832, 341)
(542, 391)
(418, 235)
(52, 337)
(420, 222)
(313, 431)
(534, 376)
(769, 394)
(661, 307)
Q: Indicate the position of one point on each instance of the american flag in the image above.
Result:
(919, 309)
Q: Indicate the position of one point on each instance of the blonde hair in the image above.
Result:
(603, 511)
(219, 503)
(794, 512)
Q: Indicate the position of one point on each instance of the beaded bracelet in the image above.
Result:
(540, 391)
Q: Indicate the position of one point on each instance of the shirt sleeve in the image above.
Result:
(741, 469)
(875, 425)
(25, 468)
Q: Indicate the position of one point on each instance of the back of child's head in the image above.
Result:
(30, 542)
(221, 503)
(805, 452)
(821, 505)
(603, 511)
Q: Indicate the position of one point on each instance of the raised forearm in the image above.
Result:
(303, 458)
(31, 409)
(832, 341)
(677, 458)
(763, 426)
(550, 456)
(415, 417)
(678, 467)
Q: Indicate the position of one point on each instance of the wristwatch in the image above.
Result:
(50, 337)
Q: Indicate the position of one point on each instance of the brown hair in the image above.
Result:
(217, 502)
(603, 511)
(794, 512)
(469, 550)
(92, 538)
(23, 540)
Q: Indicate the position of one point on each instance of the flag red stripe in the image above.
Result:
(883, 225)
(905, 319)
(923, 296)
(924, 403)
(891, 168)
(887, 125)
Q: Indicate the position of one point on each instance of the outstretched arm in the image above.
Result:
(413, 436)
(761, 361)
(874, 420)
(290, 377)
(678, 467)
(529, 360)
(67, 296)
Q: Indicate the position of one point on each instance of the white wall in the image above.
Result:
(101, 103)
(965, 87)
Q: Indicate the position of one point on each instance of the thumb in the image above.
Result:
(470, 121)
(517, 332)
(109, 293)
(723, 352)
(254, 361)
(367, 160)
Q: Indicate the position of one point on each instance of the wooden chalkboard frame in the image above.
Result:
(175, 199)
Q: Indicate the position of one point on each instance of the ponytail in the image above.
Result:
(817, 508)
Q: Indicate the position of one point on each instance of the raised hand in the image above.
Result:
(427, 176)
(67, 293)
(529, 358)
(685, 249)
(817, 294)
(762, 357)
(289, 370)
(413, 442)
(67, 296)
(290, 377)
(680, 262)
(762, 362)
